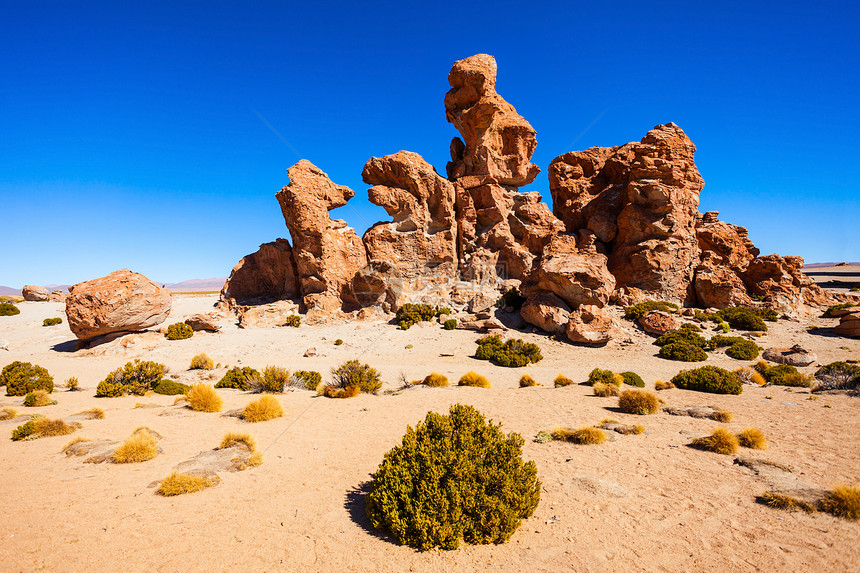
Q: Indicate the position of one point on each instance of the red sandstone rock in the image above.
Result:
(123, 301)
(590, 325)
(209, 321)
(57, 296)
(783, 286)
(728, 244)
(546, 311)
(794, 356)
(849, 325)
(577, 278)
(265, 276)
(34, 293)
(719, 287)
(658, 323)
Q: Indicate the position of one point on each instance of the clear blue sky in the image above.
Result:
(136, 138)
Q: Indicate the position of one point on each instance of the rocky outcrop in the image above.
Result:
(780, 283)
(728, 245)
(265, 276)
(719, 286)
(546, 311)
(589, 324)
(57, 296)
(209, 322)
(123, 301)
(658, 322)
(35, 293)
(327, 252)
(849, 325)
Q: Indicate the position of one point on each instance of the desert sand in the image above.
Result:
(637, 503)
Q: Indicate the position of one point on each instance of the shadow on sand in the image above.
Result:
(354, 504)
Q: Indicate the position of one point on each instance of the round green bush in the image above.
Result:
(684, 335)
(785, 375)
(604, 377)
(23, 431)
(179, 331)
(633, 379)
(134, 377)
(310, 379)
(638, 310)
(742, 318)
(294, 321)
(683, 352)
(8, 309)
(52, 321)
(354, 373)
(21, 378)
(453, 477)
(838, 375)
(410, 314)
(744, 350)
(708, 379)
(450, 324)
(239, 378)
(170, 388)
(512, 353)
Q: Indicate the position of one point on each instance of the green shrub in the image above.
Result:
(724, 326)
(453, 477)
(639, 310)
(831, 309)
(686, 334)
(38, 398)
(135, 378)
(410, 314)
(683, 352)
(838, 375)
(170, 388)
(633, 379)
(512, 353)
(785, 375)
(8, 309)
(202, 362)
(294, 321)
(744, 350)
(307, 378)
(21, 378)
(604, 377)
(52, 321)
(354, 373)
(743, 318)
(719, 341)
(274, 380)
(23, 431)
(450, 324)
(179, 331)
(511, 297)
(239, 378)
(854, 289)
(338, 342)
(708, 379)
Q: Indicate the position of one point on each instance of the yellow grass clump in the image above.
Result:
(179, 483)
(202, 362)
(435, 380)
(139, 447)
(72, 383)
(46, 427)
(561, 381)
(527, 381)
(842, 501)
(780, 501)
(721, 441)
(583, 436)
(203, 398)
(38, 398)
(236, 439)
(752, 438)
(264, 408)
(92, 414)
(8, 413)
(472, 378)
(660, 385)
(723, 416)
(605, 390)
(753, 375)
(639, 402)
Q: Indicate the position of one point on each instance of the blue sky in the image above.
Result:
(141, 137)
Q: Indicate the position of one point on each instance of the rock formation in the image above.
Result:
(35, 293)
(849, 325)
(123, 301)
(265, 276)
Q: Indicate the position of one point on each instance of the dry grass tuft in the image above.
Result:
(723, 416)
(45, 427)
(92, 414)
(605, 390)
(842, 501)
(179, 483)
(338, 392)
(527, 381)
(237, 439)
(255, 459)
(721, 441)
(752, 375)
(8, 413)
(583, 436)
(639, 402)
(77, 440)
(202, 362)
(262, 409)
(139, 447)
(752, 438)
(779, 501)
(561, 381)
(435, 380)
(38, 398)
(660, 385)
(472, 378)
(203, 398)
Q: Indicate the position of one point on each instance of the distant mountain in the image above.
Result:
(825, 265)
(8, 291)
(197, 285)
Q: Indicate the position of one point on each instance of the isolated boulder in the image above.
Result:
(794, 356)
(123, 301)
(546, 311)
(589, 324)
(265, 276)
(57, 296)
(849, 325)
(35, 293)
(658, 322)
(209, 321)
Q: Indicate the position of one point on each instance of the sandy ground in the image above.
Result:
(839, 278)
(638, 503)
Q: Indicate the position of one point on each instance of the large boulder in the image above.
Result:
(658, 322)
(577, 277)
(35, 293)
(780, 282)
(546, 311)
(849, 325)
(123, 301)
(265, 276)
(794, 356)
(589, 324)
(719, 286)
(326, 251)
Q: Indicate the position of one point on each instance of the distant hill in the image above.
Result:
(826, 265)
(197, 285)
(8, 291)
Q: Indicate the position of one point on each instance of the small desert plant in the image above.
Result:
(8, 309)
(708, 379)
(724, 326)
(354, 373)
(786, 502)
(744, 350)
(7, 413)
(52, 321)
(633, 379)
(179, 331)
(306, 378)
(660, 385)
(453, 477)
(337, 392)
(41, 428)
(842, 501)
(72, 384)
(723, 416)
(605, 376)
(180, 483)
(236, 439)
(203, 398)
(338, 342)
(831, 309)
(21, 378)
(170, 388)
(93, 414)
(683, 352)
(435, 380)
(410, 314)
(274, 380)
(605, 390)
(472, 378)
(526, 381)
(750, 376)
(512, 353)
(752, 438)
(141, 446)
(838, 375)
(638, 310)
(450, 324)
(134, 377)
(239, 378)
(583, 436)
(38, 398)
(784, 375)
(687, 334)
(262, 409)
(719, 341)
(294, 321)
(639, 402)
(742, 318)
(202, 362)
(721, 441)
(561, 381)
